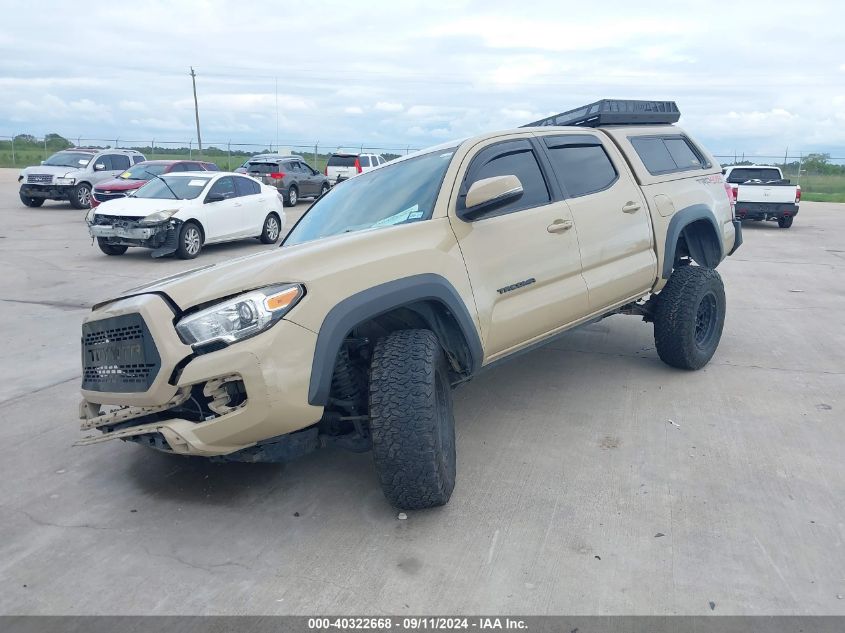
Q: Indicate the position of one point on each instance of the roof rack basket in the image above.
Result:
(615, 112)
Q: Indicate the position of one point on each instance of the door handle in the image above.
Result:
(631, 207)
(559, 226)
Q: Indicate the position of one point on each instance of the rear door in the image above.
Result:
(522, 259)
(610, 214)
(254, 205)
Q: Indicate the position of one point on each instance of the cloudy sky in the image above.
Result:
(753, 77)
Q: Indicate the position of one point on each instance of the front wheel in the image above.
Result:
(110, 249)
(272, 229)
(30, 201)
(80, 196)
(190, 241)
(689, 317)
(411, 420)
(785, 222)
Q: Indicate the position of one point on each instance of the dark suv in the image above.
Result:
(291, 175)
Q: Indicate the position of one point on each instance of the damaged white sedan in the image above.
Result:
(179, 213)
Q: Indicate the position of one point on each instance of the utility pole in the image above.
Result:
(196, 111)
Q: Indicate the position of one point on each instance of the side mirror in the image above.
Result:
(214, 197)
(489, 194)
(99, 167)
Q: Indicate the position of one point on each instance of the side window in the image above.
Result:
(581, 167)
(210, 167)
(247, 186)
(138, 159)
(504, 159)
(224, 187)
(667, 154)
(381, 160)
(178, 167)
(364, 160)
(105, 161)
(120, 161)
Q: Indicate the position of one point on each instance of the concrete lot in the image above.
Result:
(575, 493)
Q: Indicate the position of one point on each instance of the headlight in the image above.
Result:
(159, 216)
(65, 181)
(240, 317)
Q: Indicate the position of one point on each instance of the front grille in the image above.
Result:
(104, 196)
(118, 355)
(112, 220)
(39, 179)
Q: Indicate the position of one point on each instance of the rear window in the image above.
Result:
(341, 161)
(667, 154)
(745, 174)
(582, 169)
(262, 168)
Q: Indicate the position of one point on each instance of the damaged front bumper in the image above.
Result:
(141, 383)
(161, 237)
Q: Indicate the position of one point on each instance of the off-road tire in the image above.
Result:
(785, 223)
(411, 420)
(689, 317)
(80, 196)
(184, 250)
(30, 201)
(291, 197)
(270, 233)
(111, 249)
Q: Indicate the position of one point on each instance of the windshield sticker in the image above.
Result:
(411, 213)
(82, 161)
(197, 183)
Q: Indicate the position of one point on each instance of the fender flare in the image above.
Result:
(678, 223)
(378, 300)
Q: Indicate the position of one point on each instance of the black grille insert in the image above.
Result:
(118, 355)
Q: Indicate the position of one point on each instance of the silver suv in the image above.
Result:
(71, 174)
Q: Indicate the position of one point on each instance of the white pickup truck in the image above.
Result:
(760, 192)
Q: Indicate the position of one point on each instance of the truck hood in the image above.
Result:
(61, 172)
(138, 207)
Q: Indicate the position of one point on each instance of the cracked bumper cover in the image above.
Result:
(276, 386)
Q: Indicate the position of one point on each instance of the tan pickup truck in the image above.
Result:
(406, 281)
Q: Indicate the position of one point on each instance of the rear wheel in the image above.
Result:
(190, 241)
(411, 420)
(785, 222)
(111, 249)
(292, 197)
(80, 196)
(31, 202)
(324, 189)
(689, 317)
(272, 229)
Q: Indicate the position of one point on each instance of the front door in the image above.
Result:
(611, 216)
(522, 258)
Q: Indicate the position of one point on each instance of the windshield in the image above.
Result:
(184, 187)
(143, 172)
(68, 159)
(397, 194)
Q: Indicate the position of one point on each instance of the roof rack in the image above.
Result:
(615, 112)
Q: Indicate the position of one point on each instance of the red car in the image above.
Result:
(137, 176)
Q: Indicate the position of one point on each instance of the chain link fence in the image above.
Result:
(23, 150)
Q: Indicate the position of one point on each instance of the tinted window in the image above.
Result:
(120, 161)
(224, 187)
(754, 173)
(665, 154)
(247, 186)
(341, 161)
(380, 160)
(654, 154)
(178, 167)
(192, 167)
(138, 159)
(105, 161)
(365, 161)
(511, 158)
(682, 153)
(263, 168)
(581, 169)
(210, 167)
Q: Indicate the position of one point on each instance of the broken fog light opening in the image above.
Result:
(238, 318)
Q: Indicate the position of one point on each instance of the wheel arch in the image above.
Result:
(199, 225)
(427, 297)
(697, 226)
